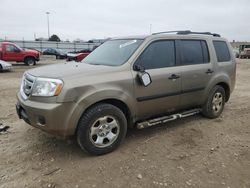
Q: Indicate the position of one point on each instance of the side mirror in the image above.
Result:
(139, 68)
(145, 78)
(17, 50)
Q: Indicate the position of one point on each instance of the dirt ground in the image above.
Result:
(192, 152)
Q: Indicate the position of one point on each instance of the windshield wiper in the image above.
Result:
(95, 64)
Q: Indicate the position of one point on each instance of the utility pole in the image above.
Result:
(48, 23)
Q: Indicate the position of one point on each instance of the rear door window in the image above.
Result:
(194, 52)
(222, 51)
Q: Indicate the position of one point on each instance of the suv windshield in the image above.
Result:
(113, 52)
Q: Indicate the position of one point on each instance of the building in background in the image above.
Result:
(238, 44)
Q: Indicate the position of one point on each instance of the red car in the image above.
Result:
(77, 57)
(11, 52)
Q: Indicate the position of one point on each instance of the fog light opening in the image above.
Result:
(41, 121)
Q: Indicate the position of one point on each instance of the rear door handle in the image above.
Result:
(173, 77)
(209, 71)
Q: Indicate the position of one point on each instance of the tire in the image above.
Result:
(1, 68)
(215, 103)
(101, 129)
(30, 61)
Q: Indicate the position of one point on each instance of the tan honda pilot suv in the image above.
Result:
(138, 81)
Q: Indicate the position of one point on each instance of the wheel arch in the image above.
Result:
(222, 80)
(29, 56)
(226, 88)
(117, 103)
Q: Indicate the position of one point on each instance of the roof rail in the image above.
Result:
(187, 32)
(170, 32)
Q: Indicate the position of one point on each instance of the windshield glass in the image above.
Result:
(18, 47)
(113, 52)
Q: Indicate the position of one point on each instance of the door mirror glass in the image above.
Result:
(145, 78)
(16, 50)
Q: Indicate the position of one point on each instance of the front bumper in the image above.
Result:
(53, 118)
(7, 68)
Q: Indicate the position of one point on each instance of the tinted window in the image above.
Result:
(10, 48)
(222, 51)
(158, 55)
(194, 52)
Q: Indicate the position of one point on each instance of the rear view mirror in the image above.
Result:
(145, 78)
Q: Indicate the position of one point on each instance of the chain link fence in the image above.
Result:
(65, 46)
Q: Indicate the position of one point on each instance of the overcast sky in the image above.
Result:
(87, 19)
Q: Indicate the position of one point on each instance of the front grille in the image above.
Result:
(27, 84)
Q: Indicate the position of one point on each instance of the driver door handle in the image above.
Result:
(173, 77)
(209, 71)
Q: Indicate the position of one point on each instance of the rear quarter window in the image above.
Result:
(222, 51)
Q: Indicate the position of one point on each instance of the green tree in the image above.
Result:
(54, 38)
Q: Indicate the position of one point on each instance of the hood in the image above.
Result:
(31, 51)
(61, 52)
(70, 69)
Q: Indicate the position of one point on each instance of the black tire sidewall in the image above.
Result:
(30, 64)
(208, 107)
(89, 117)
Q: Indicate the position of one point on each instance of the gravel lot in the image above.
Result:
(192, 152)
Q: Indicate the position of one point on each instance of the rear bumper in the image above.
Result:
(52, 118)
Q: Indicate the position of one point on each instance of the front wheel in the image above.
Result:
(215, 103)
(101, 129)
(30, 61)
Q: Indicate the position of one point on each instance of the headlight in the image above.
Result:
(47, 87)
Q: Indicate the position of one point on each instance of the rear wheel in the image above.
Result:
(215, 103)
(1, 68)
(30, 61)
(101, 129)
